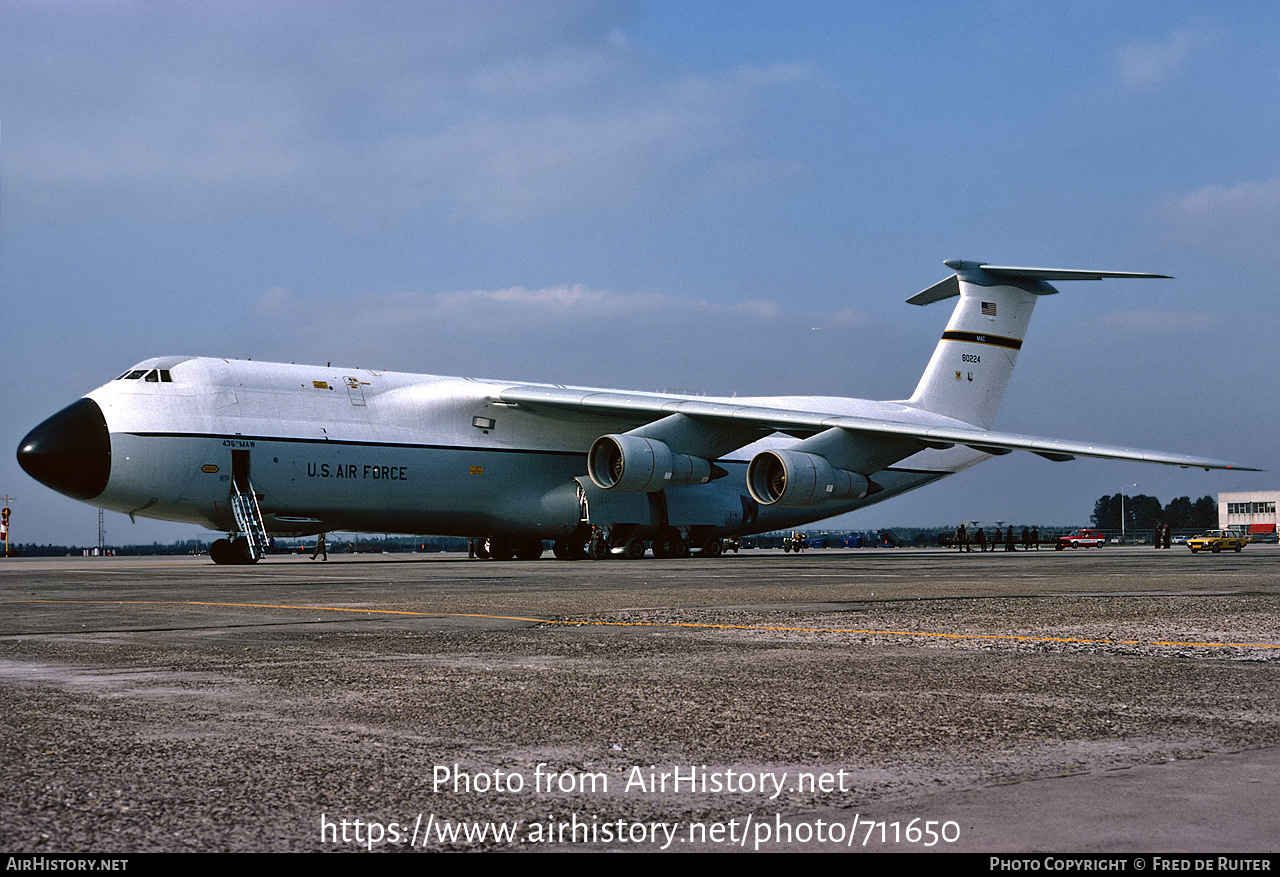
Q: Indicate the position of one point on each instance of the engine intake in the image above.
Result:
(642, 465)
(796, 480)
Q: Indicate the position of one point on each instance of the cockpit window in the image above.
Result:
(151, 376)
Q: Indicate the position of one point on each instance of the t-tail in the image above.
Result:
(970, 368)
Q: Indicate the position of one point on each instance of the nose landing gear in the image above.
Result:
(232, 550)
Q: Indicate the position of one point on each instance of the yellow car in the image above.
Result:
(1216, 540)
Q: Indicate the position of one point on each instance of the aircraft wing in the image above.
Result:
(649, 407)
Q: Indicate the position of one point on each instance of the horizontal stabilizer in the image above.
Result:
(1064, 273)
(951, 286)
(943, 289)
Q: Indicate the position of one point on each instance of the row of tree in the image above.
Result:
(338, 542)
(1143, 512)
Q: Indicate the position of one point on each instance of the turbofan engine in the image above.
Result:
(642, 465)
(794, 479)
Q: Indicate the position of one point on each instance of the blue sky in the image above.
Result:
(721, 197)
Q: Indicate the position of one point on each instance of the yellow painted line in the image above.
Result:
(688, 624)
(283, 606)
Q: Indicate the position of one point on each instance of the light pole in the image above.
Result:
(1135, 484)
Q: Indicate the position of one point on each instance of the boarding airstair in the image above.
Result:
(244, 504)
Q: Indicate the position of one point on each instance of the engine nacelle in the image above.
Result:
(796, 480)
(642, 465)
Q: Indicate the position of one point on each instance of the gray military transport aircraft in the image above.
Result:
(256, 449)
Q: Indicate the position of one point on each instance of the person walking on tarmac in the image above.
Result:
(320, 549)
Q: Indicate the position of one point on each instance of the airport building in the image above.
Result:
(1250, 511)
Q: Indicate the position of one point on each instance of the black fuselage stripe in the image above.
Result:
(355, 443)
(980, 338)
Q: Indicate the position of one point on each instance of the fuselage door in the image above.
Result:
(240, 469)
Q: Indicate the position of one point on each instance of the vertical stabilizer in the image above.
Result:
(967, 376)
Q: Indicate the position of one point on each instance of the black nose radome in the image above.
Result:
(70, 452)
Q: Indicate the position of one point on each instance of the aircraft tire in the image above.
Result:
(598, 549)
(664, 544)
(569, 549)
(500, 548)
(240, 551)
(220, 551)
(482, 549)
(528, 549)
(633, 549)
(713, 547)
(679, 548)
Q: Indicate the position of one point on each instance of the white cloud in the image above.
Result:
(503, 112)
(1146, 65)
(512, 307)
(1241, 219)
(574, 334)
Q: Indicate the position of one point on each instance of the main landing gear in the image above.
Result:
(569, 549)
(668, 543)
(506, 548)
(597, 544)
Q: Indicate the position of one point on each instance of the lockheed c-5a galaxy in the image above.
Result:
(257, 449)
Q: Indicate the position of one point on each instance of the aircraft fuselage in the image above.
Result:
(376, 451)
